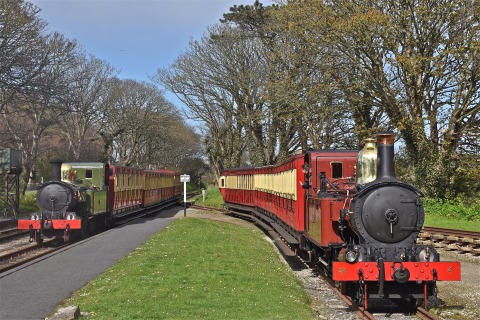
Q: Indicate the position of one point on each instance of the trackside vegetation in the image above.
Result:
(28, 202)
(197, 269)
(452, 215)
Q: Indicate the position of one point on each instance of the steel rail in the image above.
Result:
(6, 262)
(5, 265)
(452, 232)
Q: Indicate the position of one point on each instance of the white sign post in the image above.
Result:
(184, 178)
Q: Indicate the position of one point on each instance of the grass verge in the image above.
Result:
(432, 220)
(197, 269)
(213, 198)
(452, 215)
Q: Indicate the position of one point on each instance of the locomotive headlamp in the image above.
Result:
(34, 216)
(71, 216)
(425, 255)
(351, 255)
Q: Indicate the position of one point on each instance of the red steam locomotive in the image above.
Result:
(347, 210)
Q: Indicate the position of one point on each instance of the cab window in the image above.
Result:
(337, 170)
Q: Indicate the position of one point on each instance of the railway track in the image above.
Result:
(17, 254)
(11, 233)
(26, 253)
(448, 239)
(425, 315)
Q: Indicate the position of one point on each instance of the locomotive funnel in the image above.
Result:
(385, 149)
(56, 166)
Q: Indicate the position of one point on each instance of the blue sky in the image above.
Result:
(136, 37)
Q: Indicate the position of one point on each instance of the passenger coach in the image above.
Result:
(278, 191)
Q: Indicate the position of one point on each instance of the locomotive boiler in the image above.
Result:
(348, 212)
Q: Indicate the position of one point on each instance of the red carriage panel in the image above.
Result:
(278, 191)
(236, 186)
(125, 188)
(159, 186)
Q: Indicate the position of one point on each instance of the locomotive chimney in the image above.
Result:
(56, 166)
(386, 164)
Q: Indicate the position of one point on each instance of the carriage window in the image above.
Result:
(88, 174)
(337, 170)
(222, 181)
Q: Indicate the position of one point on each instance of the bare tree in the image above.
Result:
(221, 79)
(21, 46)
(28, 120)
(172, 142)
(142, 128)
(88, 100)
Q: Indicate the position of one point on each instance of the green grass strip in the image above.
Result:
(197, 269)
(213, 198)
(432, 220)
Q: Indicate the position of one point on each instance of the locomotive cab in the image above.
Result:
(329, 181)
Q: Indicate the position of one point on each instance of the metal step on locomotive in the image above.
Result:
(349, 213)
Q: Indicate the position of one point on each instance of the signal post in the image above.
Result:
(184, 178)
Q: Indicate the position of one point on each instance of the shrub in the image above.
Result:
(458, 208)
(28, 202)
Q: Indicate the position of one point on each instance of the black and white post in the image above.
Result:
(184, 178)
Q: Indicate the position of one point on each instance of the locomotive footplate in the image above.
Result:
(419, 271)
(55, 224)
